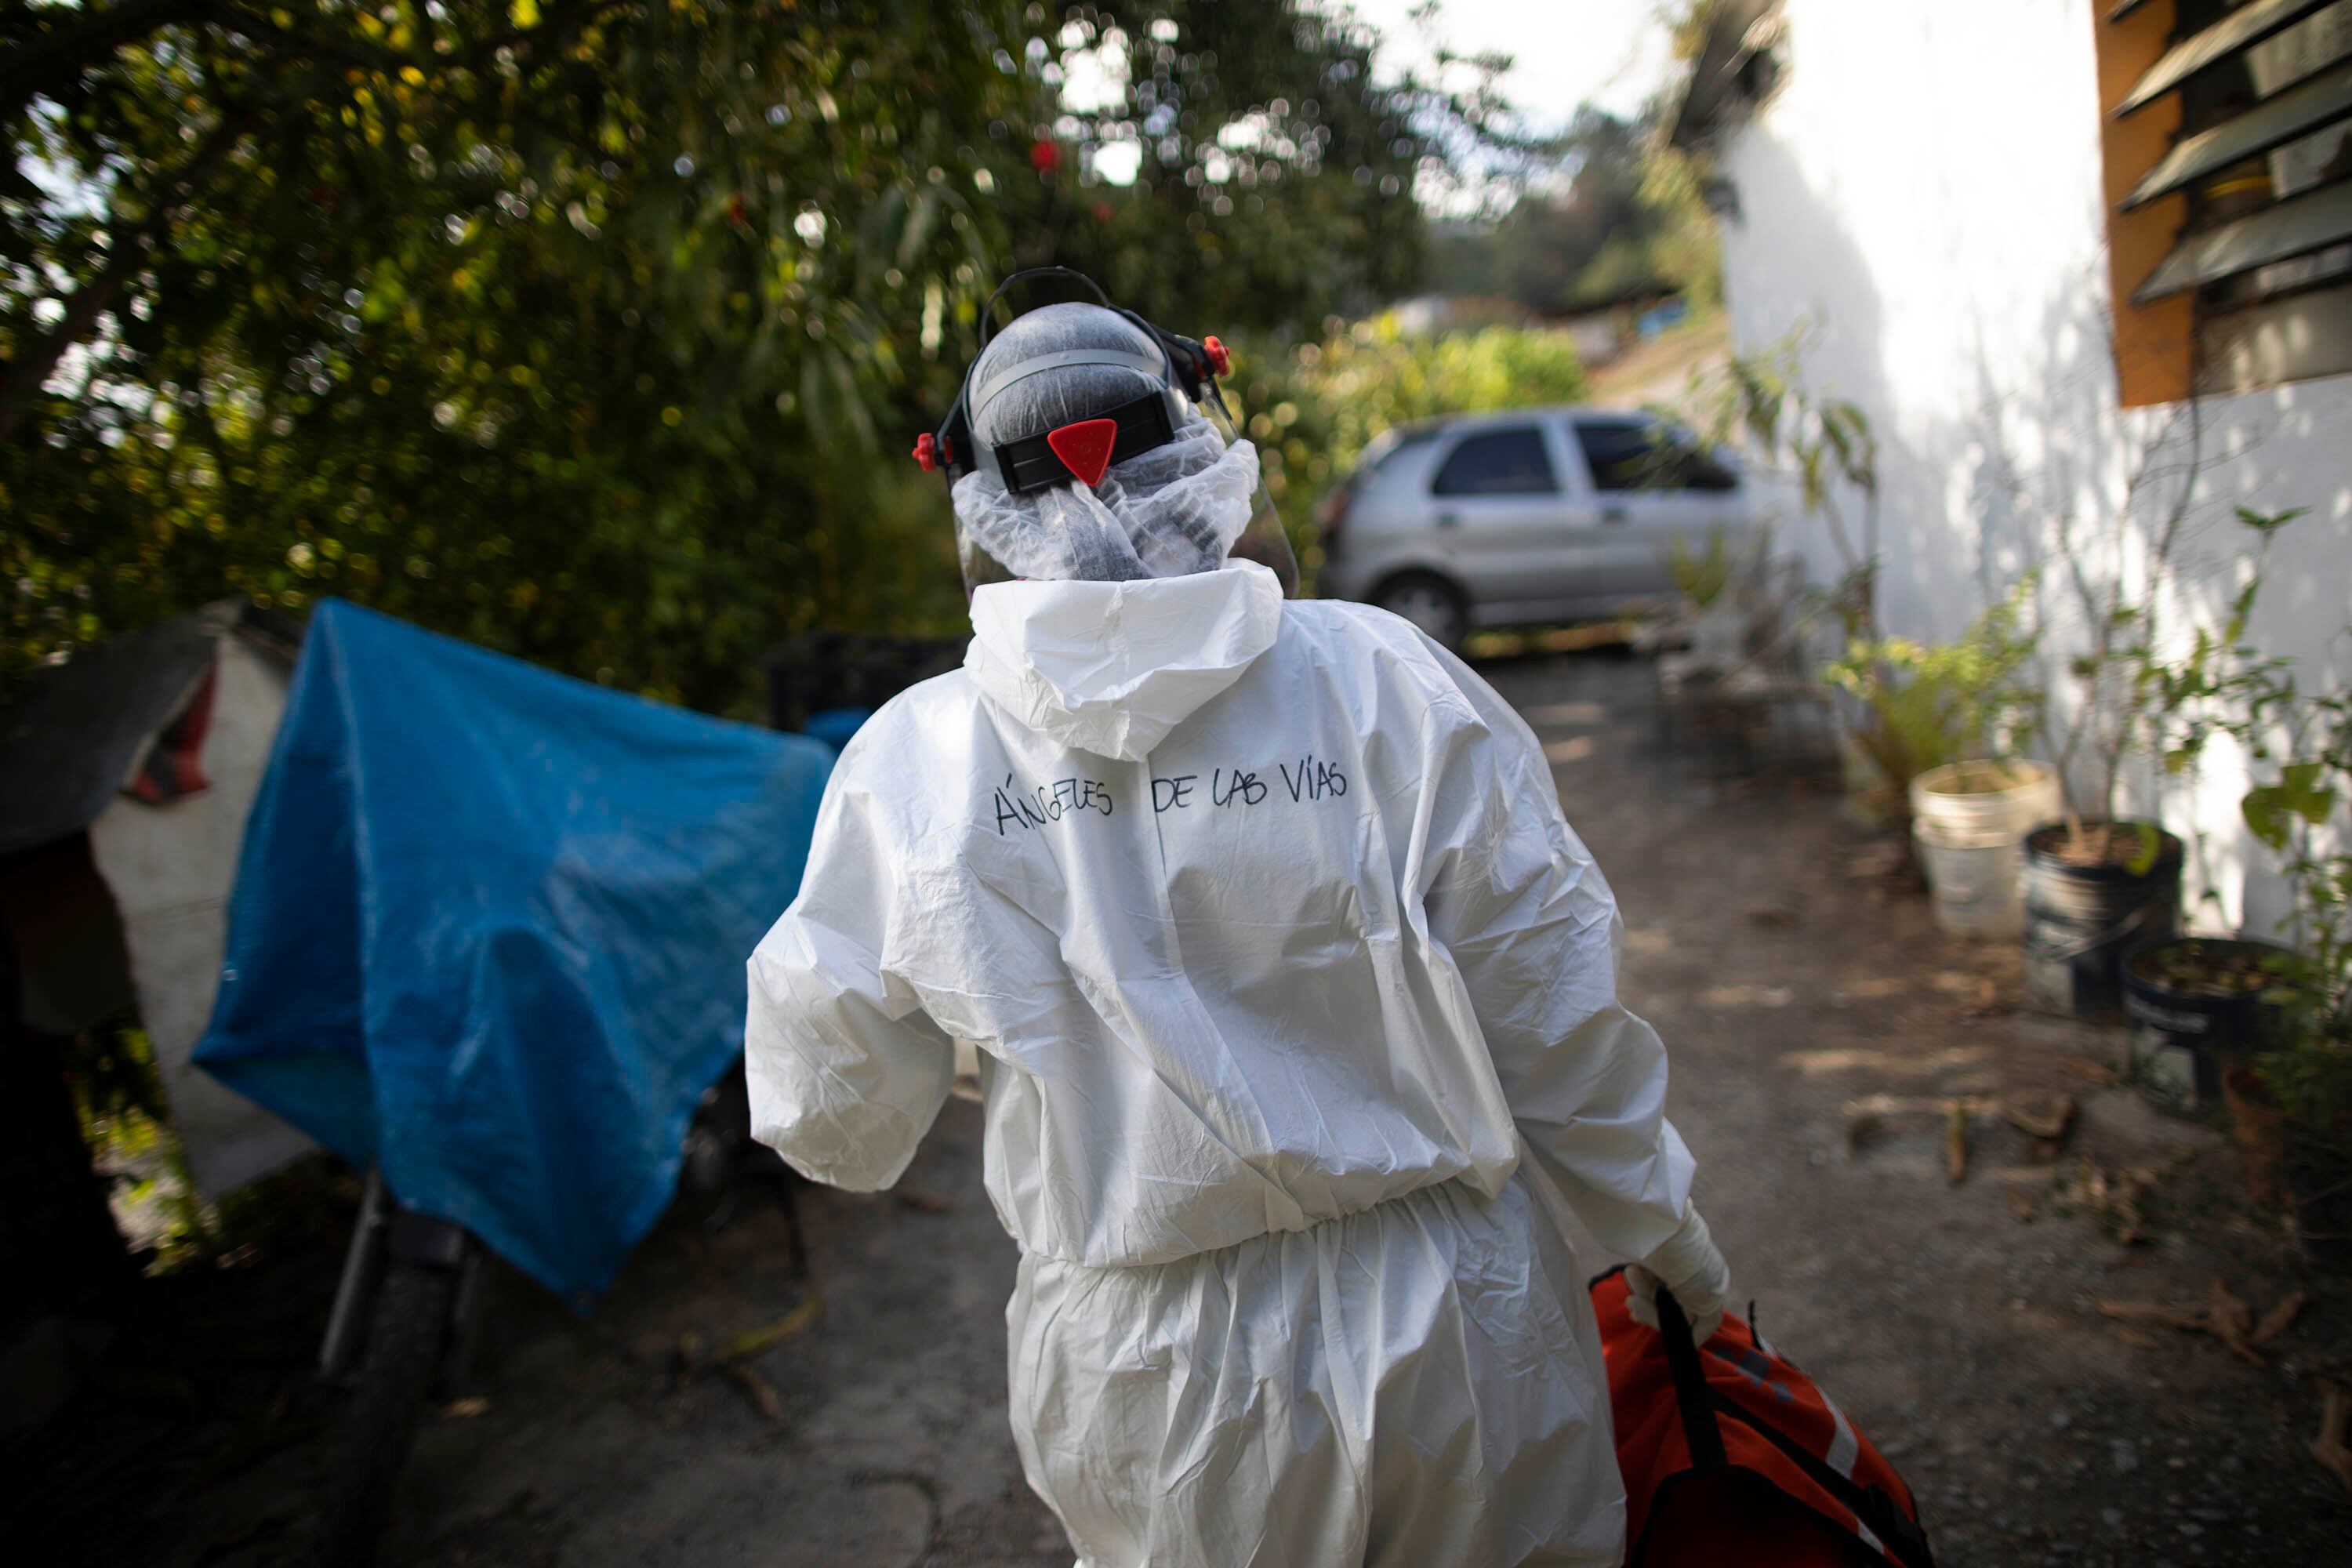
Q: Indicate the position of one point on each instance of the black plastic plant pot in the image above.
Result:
(2194, 1004)
(2083, 922)
(2320, 1185)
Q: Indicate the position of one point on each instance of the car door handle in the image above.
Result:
(1612, 514)
(1449, 519)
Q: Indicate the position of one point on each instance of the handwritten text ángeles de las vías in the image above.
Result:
(1306, 781)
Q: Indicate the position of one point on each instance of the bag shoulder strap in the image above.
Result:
(1700, 1429)
(1903, 1541)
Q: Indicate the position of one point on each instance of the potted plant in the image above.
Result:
(1937, 725)
(2200, 1007)
(2197, 1008)
(2099, 886)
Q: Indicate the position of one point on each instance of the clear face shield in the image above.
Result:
(1184, 506)
(1263, 539)
(1089, 445)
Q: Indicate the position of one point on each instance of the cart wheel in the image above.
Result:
(408, 1335)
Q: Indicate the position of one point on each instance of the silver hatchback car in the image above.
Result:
(1529, 516)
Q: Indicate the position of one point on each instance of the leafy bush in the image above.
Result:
(1313, 409)
(2302, 742)
(1925, 705)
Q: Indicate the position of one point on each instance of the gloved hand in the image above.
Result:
(1691, 1266)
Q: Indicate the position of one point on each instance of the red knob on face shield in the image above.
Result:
(1085, 448)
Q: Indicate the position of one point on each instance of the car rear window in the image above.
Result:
(1506, 462)
(1405, 441)
(1383, 451)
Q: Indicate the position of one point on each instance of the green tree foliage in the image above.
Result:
(2298, 811)
(1272, 173)
(553, 326)
(2293, 727)
(595, 331)
(1618, 224)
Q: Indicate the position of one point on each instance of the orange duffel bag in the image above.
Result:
(1732, 1456)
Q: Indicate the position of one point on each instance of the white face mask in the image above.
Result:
(1169, 512)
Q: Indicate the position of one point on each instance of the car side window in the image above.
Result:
(1626, 455)
(1506, 462)
(1405, 442)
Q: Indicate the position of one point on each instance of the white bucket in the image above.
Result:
(1970, 820)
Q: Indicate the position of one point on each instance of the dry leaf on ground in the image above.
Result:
(2050, 1125)
(2279, 1319)
(2156, 1314)
(2232, 1323)
(2114, 1198)
(2223, 1316)
(752, 1341)
(2330, 1448)
(755, 1388)
(1956, 1142)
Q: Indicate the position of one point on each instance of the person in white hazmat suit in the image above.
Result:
(1296, 1006)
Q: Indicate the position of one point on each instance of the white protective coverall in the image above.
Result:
(1296, 1004)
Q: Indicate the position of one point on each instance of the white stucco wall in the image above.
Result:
(1926, 190)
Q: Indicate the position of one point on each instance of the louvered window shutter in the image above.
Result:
(2263, 161)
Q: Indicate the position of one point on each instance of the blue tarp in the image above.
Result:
(490, 930)
(837, 726)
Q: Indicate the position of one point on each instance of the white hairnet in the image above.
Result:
(1174, 510)
(1167, 512)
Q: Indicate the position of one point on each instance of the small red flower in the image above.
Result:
(1044, 156)
(735, 209)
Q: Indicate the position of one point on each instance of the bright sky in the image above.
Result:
(1565, 52)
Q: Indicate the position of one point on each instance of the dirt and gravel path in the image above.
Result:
(1819, 1028)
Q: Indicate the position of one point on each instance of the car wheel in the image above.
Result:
(1429, 602)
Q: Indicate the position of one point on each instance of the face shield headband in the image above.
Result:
(1085, 450)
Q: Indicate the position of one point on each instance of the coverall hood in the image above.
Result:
(1111, 668)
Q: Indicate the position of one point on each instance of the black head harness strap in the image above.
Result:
(1186, 369)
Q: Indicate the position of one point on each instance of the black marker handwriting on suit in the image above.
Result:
(1041, 804)
(1314, 780)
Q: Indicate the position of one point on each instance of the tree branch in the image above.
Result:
(25, 376)
(60, 54)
